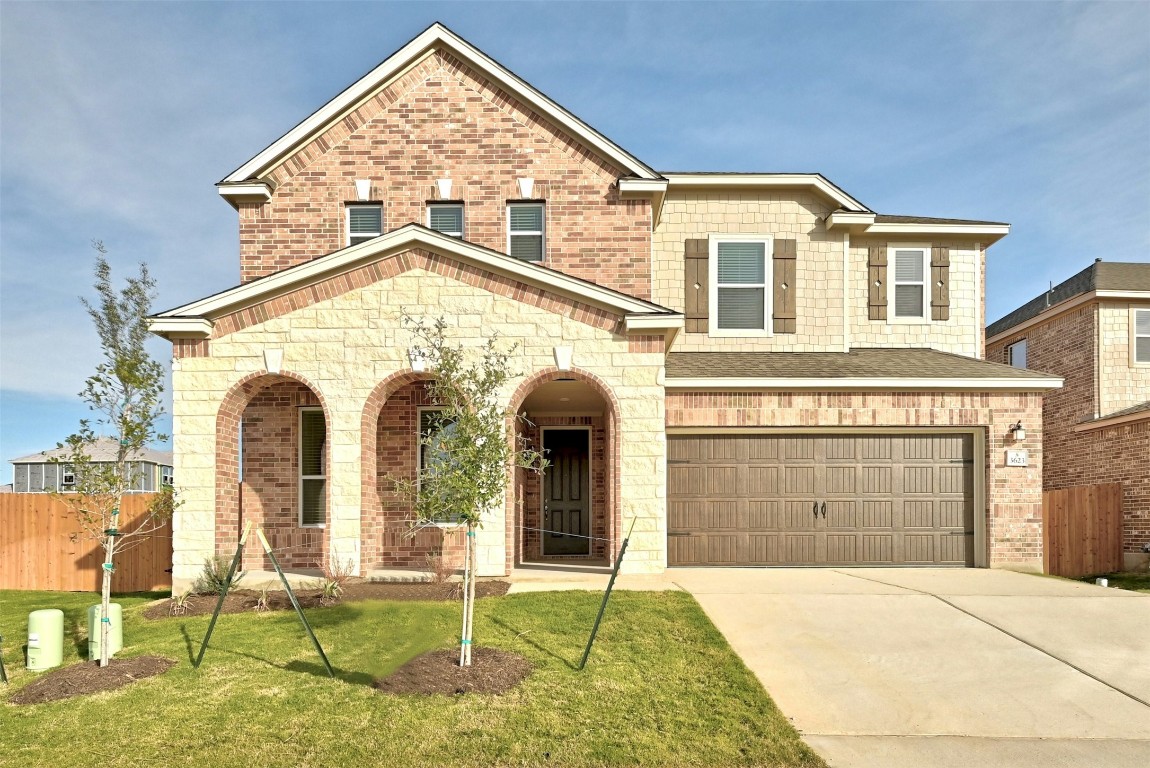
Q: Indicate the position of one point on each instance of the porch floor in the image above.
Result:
(549, 577)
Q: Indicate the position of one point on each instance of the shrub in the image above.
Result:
(214, 576)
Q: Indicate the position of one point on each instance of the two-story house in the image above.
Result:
(751, 368)
(1094, 331)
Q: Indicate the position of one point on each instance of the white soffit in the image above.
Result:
(369, 84)
(761, 180)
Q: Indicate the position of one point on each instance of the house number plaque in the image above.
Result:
(1018, 458)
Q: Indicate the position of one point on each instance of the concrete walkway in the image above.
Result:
(943, 667)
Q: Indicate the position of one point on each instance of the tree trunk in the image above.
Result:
(106, 599)
(466, 577)
(474, 556)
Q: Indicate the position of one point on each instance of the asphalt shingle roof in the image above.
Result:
(104, 449)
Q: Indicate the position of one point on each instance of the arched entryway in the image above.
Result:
(272, 468)
(390, 432)
(570, 512)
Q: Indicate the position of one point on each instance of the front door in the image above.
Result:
(567, 492)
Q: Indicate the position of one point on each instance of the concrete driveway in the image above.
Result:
(943, 667)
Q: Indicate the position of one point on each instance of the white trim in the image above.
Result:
(1134, 336)
(893, 282)
(847, 297)
(633, 323)
(642, 186)
(853, 221)
(541, 233)
(851, 383)
(543, 430)
(462, 218)
(891, 228)
(434, 36)
(750, 180)
(1111, 421)
(254, 192)
(405, 237)
(347, 221)
(713, 241)
(1066, 304)
(301, 477)
(181, 327)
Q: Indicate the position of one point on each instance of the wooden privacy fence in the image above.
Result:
(43, 547)
(1082, 530)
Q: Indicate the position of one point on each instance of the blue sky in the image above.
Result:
(116, 120)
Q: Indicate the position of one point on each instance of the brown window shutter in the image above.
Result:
(876, 277)
(784, 277)
(940, 283)
(695, 253)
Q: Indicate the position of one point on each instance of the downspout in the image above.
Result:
(848, 304)
(1096, 359)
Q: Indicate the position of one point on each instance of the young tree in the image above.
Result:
(471, 453)
(125, 392)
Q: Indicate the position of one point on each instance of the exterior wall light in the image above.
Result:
(1018, 432)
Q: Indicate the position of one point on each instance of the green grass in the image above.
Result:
(1136, 581)
(662, 688)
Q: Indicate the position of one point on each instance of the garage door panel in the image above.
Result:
(759, 500)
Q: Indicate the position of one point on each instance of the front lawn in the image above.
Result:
(662, 688)
(1136, 581)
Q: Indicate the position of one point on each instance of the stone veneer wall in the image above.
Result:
(1067, 345)
(344, 340)
(444, 120)
(1013, 514)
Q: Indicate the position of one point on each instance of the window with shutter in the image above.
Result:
(1142, 335)
(363, 223)
(446, 218)
(525, 228)
(908, 300)
(741, 270)
(312, 477)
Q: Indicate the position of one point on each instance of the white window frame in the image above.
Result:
(541, 233)
(893, 283)
(167, 475)
(67, 470)
(1134, 336)
(1010, 353)
(768, 242)
(299, 469)
(347, 221)
(462, 219)
(419, 446)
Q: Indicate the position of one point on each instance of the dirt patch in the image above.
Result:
(89, 677)
(491, 671)
(244, 600)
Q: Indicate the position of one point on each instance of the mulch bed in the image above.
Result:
(90, 677)
(438, 672)
(244, 600)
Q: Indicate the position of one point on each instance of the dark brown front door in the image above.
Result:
(567, 492)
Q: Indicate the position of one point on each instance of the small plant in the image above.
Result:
(262, 601)
(181, 603)
(329, 591)
(214, 576)
(439, 567)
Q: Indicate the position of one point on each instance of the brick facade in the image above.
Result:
(1013, 513)
(444, 120)
(1089, 346)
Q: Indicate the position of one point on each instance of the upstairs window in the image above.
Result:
(166, 476)
(1142, 335)
(741, 270)
(910, 272)
(312, 478)
(364, 222)
(1016, 354)
(67, 475)
(525, 222)
(446, 218)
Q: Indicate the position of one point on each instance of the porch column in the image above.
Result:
(344, 484)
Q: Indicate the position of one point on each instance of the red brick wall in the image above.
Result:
(444, 120)
(1065, 345)
(1013, 495)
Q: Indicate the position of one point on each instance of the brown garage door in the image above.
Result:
(873, 499)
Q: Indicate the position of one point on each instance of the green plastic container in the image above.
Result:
(115, 632)
(45, 639)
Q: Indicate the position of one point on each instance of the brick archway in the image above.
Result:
(229, 493)
(520, 546)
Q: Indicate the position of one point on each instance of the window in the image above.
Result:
(363, 223)
(1016, 354)
(67, 475)
(432, 453)
(525, 231)
(446, 218)
(166, 476)
(740, 266)
(312, 480)
(910, 271)
(1142, 335)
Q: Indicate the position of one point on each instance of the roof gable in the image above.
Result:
(435, 37)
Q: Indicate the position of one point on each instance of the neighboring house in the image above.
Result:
(1094, 331)
(45, 472)
(752, 368)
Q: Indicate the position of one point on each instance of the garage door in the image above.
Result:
(873, 499)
